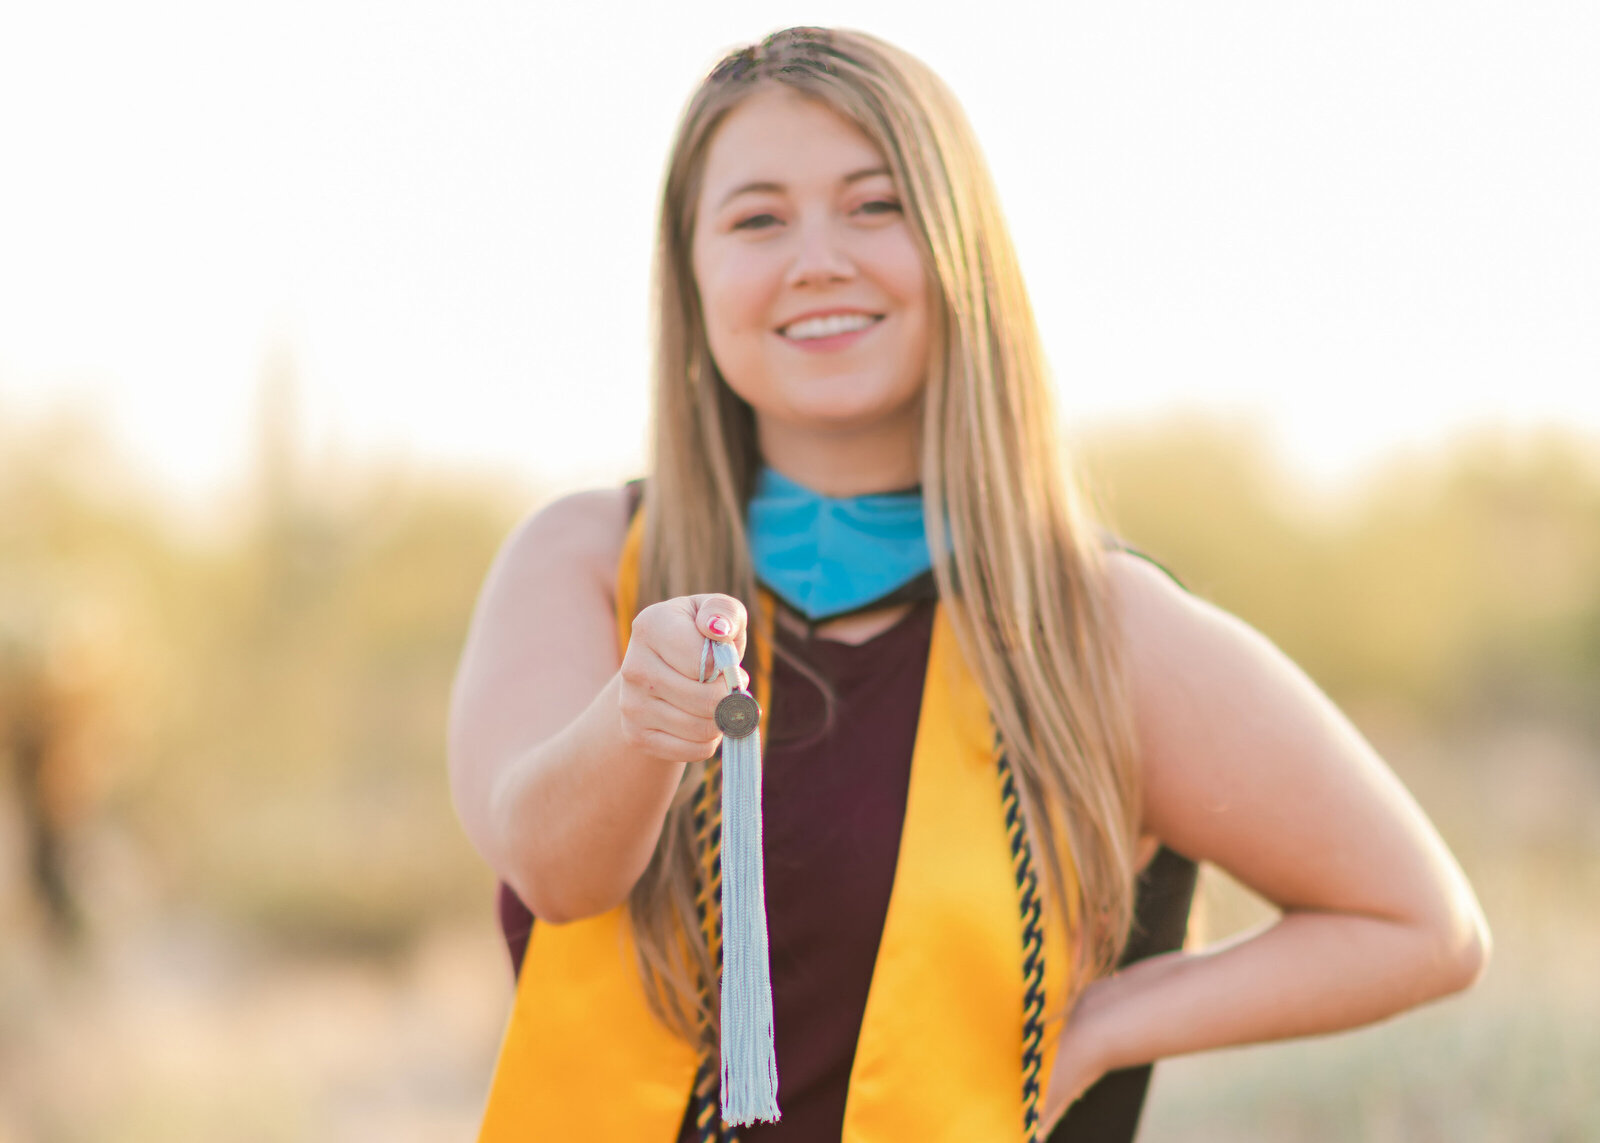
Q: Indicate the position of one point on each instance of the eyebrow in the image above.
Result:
(778, 188)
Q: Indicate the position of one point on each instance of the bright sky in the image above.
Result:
(1362, 224)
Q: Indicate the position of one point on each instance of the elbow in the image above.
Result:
(546, 908)
(1476, 952)
(563, 912)
(545, 912)
(1463, 951)
(558, 896)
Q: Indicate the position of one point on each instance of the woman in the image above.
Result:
(983, 726)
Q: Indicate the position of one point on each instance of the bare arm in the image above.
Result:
(1248, 765)
(564, 756)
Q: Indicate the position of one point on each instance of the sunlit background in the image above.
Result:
(303, 306)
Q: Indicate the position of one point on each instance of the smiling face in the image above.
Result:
(811, 281)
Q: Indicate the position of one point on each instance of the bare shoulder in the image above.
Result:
(584, 531)
(542, 643)
(1195, 674)
(1247, 763)
(1171, 635)
(1213, 698)
(552, 585)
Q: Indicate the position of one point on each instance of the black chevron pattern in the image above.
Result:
(708, 905)
(1032, 949)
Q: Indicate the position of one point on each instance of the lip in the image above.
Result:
(833, 312)
(839, 340)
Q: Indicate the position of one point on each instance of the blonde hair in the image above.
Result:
(1020, 569)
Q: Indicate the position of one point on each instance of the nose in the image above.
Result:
(819, 255)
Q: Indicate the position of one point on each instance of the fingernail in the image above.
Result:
(719, 625)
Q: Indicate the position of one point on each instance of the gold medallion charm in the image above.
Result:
(737, 714)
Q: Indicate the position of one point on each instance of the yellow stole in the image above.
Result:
(941, 1047)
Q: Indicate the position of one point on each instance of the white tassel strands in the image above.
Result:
(749, 1057)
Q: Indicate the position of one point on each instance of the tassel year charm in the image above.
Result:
(749, 1059)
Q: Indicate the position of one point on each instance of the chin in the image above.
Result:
(856, 399)
(846, 413)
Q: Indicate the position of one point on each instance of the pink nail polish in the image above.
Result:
(718, 625)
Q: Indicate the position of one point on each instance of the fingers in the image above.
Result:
(666, 709)
(678, 723)
(712, 616)
(667, 714)
(674, 735)
(720, 617)
(677, 683)
(700, 662)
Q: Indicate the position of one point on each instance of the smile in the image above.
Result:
(830, 328)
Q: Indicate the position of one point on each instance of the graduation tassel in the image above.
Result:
(749, 1058)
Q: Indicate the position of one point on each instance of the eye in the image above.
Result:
(755, 222)
(880, 206)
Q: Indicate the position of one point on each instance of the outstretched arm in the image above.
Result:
(563, 760)
(1248, 765)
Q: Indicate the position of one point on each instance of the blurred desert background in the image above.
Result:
(236, 904)
(303, 306)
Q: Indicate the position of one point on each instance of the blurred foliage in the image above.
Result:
(260, 707)
(1465, 586)
(239, 729)
(273, 695)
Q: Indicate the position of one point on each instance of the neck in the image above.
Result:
(856, 462)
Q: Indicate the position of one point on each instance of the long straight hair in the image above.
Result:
(1019, 568)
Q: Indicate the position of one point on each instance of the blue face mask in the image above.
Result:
(826, 556)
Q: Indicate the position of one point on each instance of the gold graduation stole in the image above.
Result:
(952, 1044)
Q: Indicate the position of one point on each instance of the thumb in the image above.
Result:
(722, 618)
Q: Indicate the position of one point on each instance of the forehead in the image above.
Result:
(781, 136)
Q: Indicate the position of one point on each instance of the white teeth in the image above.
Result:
(829, 326)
